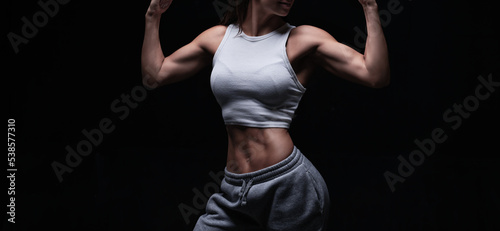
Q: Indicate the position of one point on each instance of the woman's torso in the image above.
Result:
(252, 148)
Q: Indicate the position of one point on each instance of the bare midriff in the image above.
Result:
(251, 149)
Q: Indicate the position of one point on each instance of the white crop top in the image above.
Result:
(253, 81)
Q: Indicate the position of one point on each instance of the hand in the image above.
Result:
(368, 3)
(158, 7)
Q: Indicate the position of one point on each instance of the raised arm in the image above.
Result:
(157, 69)
(371, 68)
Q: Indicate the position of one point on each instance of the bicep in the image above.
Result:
(341, 60)
(183, 63)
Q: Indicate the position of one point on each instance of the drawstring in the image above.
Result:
(244, 191)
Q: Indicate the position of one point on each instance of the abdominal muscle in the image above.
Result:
(251, 149)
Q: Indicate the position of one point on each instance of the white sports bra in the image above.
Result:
(253, 80)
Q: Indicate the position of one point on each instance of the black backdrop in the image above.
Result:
(79, 71)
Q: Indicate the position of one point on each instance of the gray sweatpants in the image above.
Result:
(290, 195)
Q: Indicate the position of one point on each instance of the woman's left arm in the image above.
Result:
(369, 69)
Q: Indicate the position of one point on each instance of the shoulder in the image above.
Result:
(211, 38)
(218, 30)
(310, 34)
(212, 33)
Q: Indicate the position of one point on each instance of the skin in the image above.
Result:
(308, 47)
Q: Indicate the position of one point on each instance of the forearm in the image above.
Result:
(376, 55)
(152, 55)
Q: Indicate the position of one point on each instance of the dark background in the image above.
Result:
(86, 56)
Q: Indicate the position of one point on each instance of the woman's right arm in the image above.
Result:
(159, 70)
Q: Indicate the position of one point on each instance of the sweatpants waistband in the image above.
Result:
(268, 173)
